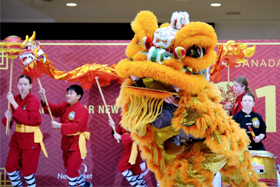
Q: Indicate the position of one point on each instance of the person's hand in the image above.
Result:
(112, 123)
(55, 124)
(117, 136)
(10, 97)
(8, 114)
(42, 91)
(228, 106)
(11, 100)
(257, 139)
(172, 100)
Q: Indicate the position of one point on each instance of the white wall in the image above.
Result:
(235, 31)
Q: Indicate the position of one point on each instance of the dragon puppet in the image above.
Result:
(35, 63)
(200, 139)
(230, 54)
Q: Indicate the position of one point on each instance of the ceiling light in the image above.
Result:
(71, 4)
(216, 4)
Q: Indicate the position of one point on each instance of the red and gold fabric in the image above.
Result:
(27, 140)
(83, 136)
(131, 157)
(86, 75)
(38, 135)
(230, 54)
(74, 119)
(74, 126)
(28, 114)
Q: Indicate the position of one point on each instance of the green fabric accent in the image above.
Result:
(162, 57)
(154, 55)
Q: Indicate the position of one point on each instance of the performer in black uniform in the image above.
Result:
(250, 119)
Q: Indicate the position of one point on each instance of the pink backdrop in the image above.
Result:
(104, 153)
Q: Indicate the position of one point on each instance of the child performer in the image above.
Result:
(252, 122)
(73, 123)
(27, 140)
(129, 164)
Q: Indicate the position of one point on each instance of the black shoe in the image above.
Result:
(88, 184)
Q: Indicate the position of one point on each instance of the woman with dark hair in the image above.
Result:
(252, 122)
(27, 140)
(73, 123)
(240, 87)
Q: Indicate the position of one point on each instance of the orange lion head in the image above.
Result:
(174, 57)
(165, 60)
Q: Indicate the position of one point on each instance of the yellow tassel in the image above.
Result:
(133, 154)
(141, 111)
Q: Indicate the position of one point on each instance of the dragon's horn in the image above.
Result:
(32, 38)
(25, 41)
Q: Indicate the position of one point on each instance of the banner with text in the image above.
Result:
(104, 153)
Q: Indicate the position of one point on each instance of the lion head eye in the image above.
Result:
(138, 83)
(195, 52)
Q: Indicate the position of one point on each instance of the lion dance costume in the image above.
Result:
(173, 60)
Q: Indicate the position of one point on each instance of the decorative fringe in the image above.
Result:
(146, 93)
(123, 97)
(147, 144)
(141, 111)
